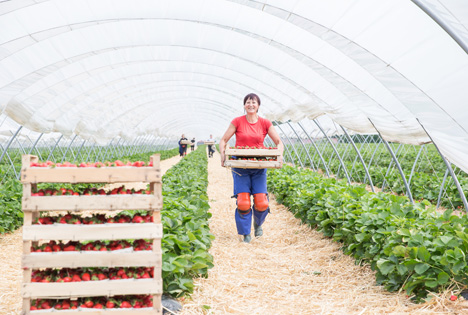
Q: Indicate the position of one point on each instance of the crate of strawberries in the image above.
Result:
(252, 157)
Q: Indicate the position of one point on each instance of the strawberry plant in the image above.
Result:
(411, 247)
(185, 217)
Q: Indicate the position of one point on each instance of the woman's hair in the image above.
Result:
(252, 96)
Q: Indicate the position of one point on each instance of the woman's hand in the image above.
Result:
(222, 159)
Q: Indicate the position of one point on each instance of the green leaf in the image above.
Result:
(191, 236)
(445, 239)
(385, 266)
(421, 268)
(423, 254)
(442, 278)
(399, 250)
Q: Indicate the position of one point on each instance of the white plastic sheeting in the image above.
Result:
(102, 69)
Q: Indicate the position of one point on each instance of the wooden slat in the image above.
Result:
(85, 232)
(115, 311)
(90, 174)
(92, 259)
(92, 288)
(252, 164)
(252, 152)
(97, 202)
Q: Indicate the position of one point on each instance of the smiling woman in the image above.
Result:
(250, 131)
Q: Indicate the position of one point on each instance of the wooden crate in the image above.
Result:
(185, 142)
(209, 142)
(32, 206)
(252, 153)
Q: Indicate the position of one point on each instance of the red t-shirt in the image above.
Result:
(248, 134)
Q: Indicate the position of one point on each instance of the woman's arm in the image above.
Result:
(277, 140)
(224, 140)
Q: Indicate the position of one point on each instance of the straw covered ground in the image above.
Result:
(292, 269)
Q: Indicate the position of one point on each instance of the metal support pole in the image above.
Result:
(11, 163)
(68, 148)
(56, 143)
(449, 167)
(389, 165)
(10, 142)
(302, 143)
(334, 149)
(442, 188)
(447, 27)
(360, 157)
(290, 142)
(408, 191)
(34, 146)
(107, 149)
(79, 151)
(90, 150)
(286, 147)
(414, 164)
(316, 149)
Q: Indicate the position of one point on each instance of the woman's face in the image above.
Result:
(251, 106)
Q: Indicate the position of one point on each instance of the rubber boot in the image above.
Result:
(258, 230)
(247, 238)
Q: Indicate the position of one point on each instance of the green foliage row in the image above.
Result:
(411, 247)
(11, 192)
(425, 181)
(185, 216)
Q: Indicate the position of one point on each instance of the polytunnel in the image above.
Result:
(85, 75)
(370, 94)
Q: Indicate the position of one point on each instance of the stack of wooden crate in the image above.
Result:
(33, 205)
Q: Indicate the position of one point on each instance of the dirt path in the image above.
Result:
(292, 269)
(11, 276)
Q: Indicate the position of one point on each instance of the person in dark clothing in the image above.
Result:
(182, 147)
(192, 145)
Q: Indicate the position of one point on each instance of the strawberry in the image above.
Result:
(98, 305)
(453, 297)
(88, 303)
(125, 304)
(101, 276)
(110, 304)
(137, 219)
(69, 248)
(76, 278)
(86, 277)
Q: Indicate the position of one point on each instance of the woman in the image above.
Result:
(182, 147)
(250, 130)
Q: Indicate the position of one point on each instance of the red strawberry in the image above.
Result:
(69, 248)
(76, 278)
(138, 219)
(86, 277)
(110, 304)
(125, 304)
(88, 303)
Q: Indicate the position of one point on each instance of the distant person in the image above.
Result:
(192, 145)
(211, 149)
(250, 130)
(182, 147)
